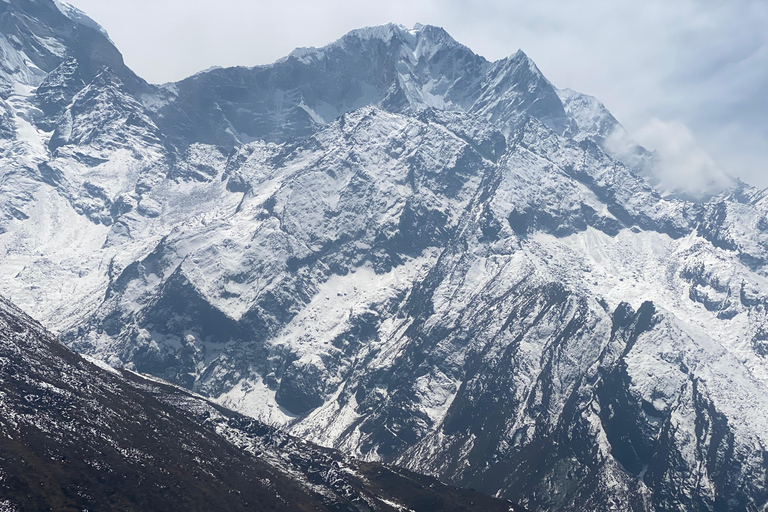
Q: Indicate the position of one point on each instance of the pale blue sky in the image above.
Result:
(697, 64)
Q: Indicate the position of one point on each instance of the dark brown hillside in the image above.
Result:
(74, 436)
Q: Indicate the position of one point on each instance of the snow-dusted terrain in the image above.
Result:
(396, 248)
(78, 434)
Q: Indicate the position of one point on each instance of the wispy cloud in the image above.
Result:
(682, 165)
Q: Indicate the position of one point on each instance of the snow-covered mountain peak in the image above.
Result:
(422, 40)
(78, 16)
(389, 31)
(385, 32)
(520, 58)
(589, 113)
(513, 89)
(397, 68)
(381, 33)
(392, 246)
(38, 36)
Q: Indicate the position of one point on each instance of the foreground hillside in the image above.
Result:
(393, 247)
(78, 435)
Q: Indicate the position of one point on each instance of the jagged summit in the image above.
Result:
(391, 33)
(393, 247)
(39, 35)
(403, 43)
(592, 117)
(390, 66)
(422, 40)
(78, 16)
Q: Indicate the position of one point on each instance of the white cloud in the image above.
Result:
(683, 166)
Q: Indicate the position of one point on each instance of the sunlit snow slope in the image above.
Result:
(78, 435)
(394, 247)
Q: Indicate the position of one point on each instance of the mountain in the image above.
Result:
(38, 35)
(397, 69)
(392, 247)
(78, 434)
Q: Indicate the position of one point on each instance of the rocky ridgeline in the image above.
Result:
(393, 247)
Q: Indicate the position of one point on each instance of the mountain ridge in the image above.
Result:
(421, 258)
(78, 433)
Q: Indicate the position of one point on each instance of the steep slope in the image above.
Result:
(38, 35)
(595, 400)
(392, 67)
(66, 184)
(393, 247)
(374, 192)
(76, 435)
(78, 153)
(596, 123)
(467, 331)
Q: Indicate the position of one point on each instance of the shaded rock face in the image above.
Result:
(395, 248)
(397, 69)
(81, 435)
(38, 36)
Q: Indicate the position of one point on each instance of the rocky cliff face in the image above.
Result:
(79, 434)
(397, 69)
(393, 247)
